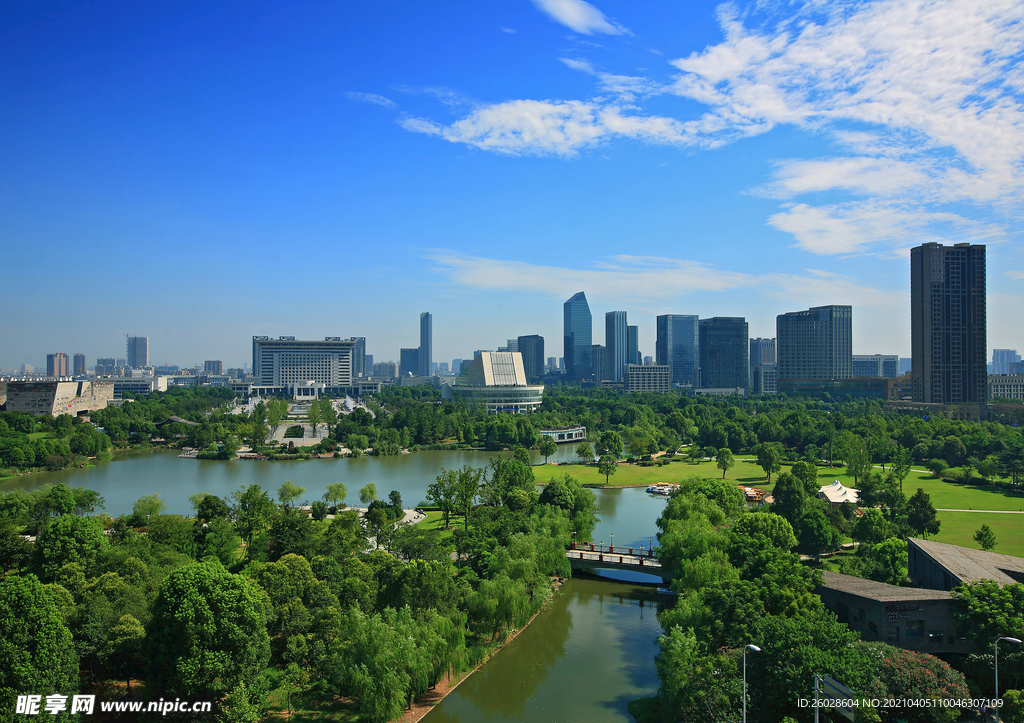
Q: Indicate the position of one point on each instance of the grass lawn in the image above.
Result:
(435, 521)
(958, 528)
(746, 473)
(39, 435)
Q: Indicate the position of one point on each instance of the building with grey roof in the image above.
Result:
(938, 566)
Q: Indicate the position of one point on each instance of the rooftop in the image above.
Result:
(971, 565)
(837, 492)
(871, 590)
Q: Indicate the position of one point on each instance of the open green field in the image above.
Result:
(958, 528)
(435, 521)
(746, 473)
(957, 496)
(39, 435)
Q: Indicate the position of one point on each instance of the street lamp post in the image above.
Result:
(995, 702)
(745, 649)
(611, 546)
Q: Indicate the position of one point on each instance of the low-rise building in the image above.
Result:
(909, 618)
(565, 434)
(648, 378)
(837, 493)
(1006, 386)
(498, 381)
(939, 566)
(856, 387)
(58, 397)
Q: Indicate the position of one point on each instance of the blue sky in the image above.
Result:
(203, 172)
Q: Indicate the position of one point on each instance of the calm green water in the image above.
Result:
(583, 659)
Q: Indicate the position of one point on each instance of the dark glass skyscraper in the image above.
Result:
(816, 343)
(532, 349)
(633, 345)
(615, 344)
(678, 346)
(138, 352)
(578, 331)
(426, 355)
(724, 353)
(948, 324)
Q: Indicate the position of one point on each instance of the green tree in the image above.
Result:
(900, 465)
(467, 487)
(607, 466)
(695, 454)
(328, 414)
(123, 657)
(817, 534)
(368, 493)
(872, 528)
(985, 537)
(66, 540)
(314, 415)
(208, 632)
(889, 561)
(147, 506)
(610, 444)
(335, 494)
(858, 459)
(921, 515)
(444, 493)
(252, 513)
(277, 409)
(584, 451)
(989, 467)
(547, 447)
(37, 654)
(318, 510)
(289, 492)
(937, 467)
(724, 460)
(769, 458)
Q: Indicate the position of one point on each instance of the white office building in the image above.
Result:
(284, 361)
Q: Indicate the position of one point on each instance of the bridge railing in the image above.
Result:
(613, 549)
(623, 559)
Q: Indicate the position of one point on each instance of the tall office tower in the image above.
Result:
(359, 368)
(904, 366)
(281, 361)
(762, 351)
(512, 344)
(552, 363)
(616, 344)
(367, 364)
(138, 351)
(599, 362)
(633, 345)
(815, 344)
(456, 366)
(875, 365)
(79, 367)
(213, 366)
(57, 364)
(678, 346)
(531, 348)
(724, 353)
(409, 362)
(948, 324)
(106, 365)
(426, 343)
(577, 334)
(1002, 359)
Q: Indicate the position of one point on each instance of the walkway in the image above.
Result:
(586, 555)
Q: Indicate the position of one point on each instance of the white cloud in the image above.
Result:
(579, 16)
(645, 278)
(510, 31)
(623, 85)
(372, 98)
(1018, 275)
(549, 127)
(887, 228)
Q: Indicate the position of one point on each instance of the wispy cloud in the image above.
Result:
(372, 98)
(1018, 275)
(580, 16)
(624, 85)
(646, 278)
(510, 31)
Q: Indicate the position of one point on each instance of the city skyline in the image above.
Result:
(490, 161)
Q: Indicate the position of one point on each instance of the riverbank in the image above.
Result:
(426, 702)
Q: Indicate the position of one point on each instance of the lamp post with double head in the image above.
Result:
(745, 649)
(995, 702)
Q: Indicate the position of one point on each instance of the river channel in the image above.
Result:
(583, 658)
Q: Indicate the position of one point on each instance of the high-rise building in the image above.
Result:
(599, 362)
(80, 368)
(647, 378)
(678, 346)
(359, 363)
(948, 324)
(724, 353)
(1002, 359)
(905, 364)
(106, 366)
(409, 362)
(213, 366)
(633, 345)
(876, 365)
(616, 344)
(368, 363)
(138, 351)
(282, 361)
(57, 365)
(815, 344)
(426, 343)
(552, 363)
(388, 369)
(762, 351)
(577, 333)
(531, 348)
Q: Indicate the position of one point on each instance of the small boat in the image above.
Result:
(661, 489)
(667, 591)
